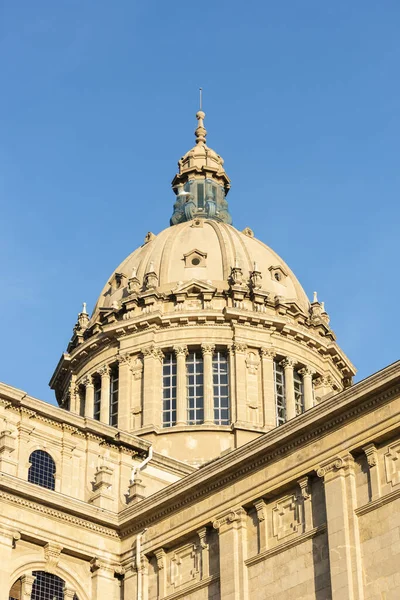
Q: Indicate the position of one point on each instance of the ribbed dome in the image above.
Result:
(203, 250)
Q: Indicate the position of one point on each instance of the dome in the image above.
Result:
(203, 250)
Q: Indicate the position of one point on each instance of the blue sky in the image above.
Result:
(98, 103)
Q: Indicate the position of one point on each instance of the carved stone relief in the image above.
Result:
(286, 518)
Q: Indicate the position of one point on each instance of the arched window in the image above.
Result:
(114, 385)
(169, 390)
(42, 469)
(220, 367)
(45, 587)
(194, 383)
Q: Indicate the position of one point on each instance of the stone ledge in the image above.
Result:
(374, 504)
(286, 545)
(193, 587)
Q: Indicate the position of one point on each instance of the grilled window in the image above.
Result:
(220, 368)
(42, 469)
(97, 397)
(169, 390)
(298, 393)
(280, 397)
(194, 383)
(114, 386)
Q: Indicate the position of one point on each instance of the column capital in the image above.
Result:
(104, 371)
(267, 353)
(207, 348)
(260, 505)
(304, 488)
(181, 350)
(233, 516)
(69, 593)
(288, 362)
(160, 556)
(124, 359)
(307, 372)
(240, 347)
(87, 381)
(153, 352)
(202, 533)
(52, 552)
(338, 464)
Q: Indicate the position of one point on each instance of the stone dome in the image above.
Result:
(203, 250)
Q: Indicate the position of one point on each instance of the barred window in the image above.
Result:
(169, 390)
(114, 386)
(194, 383)
(46, 586)
(298, 393)
(97, 397)
(220, 368)
(280, 397)
(42, 469)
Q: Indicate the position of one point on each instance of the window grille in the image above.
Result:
(42, 469)
(220, 367)
(97, 397)
(169, 390)
(114, 387)
(298, 393)
(280, 397)
(194, 382)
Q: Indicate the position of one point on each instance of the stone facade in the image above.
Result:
(209, 442)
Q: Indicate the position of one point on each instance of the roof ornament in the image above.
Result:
(315, 298)
(84, 311)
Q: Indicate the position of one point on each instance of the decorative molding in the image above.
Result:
(333, 464)
(52, 552)
(239, 347)
(252, 362)
(228, 518)
(181, 350)
(268, 353)
(153, 351)
(161, 557)
(104, 371)
(207, 348)
(307, 372)
(371, 454)
(374, 504)
(202, 533)
(286, 518)
(189, 589)
(288, 362)
(184, 565)
(260, 506)
(304, 488)
(392, 464)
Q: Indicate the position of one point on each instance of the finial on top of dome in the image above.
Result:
(201, 131)
(315, 299)
(84, 311)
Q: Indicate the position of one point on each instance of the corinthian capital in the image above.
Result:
(207, 348)
(181, 350)
(267, 353)
(288, 362)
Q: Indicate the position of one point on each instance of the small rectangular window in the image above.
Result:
(200, 195)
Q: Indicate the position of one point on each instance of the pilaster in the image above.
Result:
(342, 525)
(8, 540)
(152, 396)
(124, 390)
(104, 584)
(240, 382)
(232, 554)
(208, 350)
(268, 387)
(161, 572)
(261, 508)
(373, 466)
(304, 499)
(204, 550)
(181, 395)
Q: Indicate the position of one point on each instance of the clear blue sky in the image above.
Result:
(98, 103)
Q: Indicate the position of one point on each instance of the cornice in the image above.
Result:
(360, 398)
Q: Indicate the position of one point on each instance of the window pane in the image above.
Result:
(194, 388)
(221, 388)
(169, 390)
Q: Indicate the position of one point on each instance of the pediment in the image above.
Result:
(194, 286)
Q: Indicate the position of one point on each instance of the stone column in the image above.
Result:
(373, 466)
(27, 582)
(105, 394)
(343, 538)
(152, 387)
(162, 572)
(8, 540)
(261, 509)
(232, 554)
(208, 388)
(89, 396)
(307, 374)
(240, 382)
(124, 391)
(288, 365)
(204, 553)
(104, 584)
(181, 387)
(268, 387)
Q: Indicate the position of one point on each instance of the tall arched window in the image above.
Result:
(280, 395)
(114, 386)
(194, 383)
(42, 469)
(169, 390)
(220, 367)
